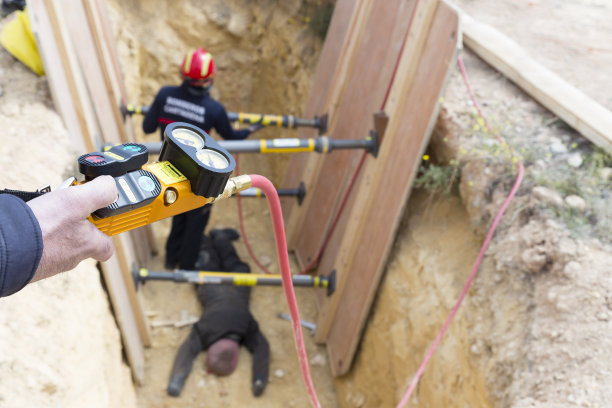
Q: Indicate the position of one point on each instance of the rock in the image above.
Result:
(265, 260)
(576, 202)
(534, 259)
(318, 360)
(602, 316)
(548, 195)
(278, 373)
(575, 160)
(605, 173)
(558, 148)
(218, 13)
(238, 24)
(572, 270)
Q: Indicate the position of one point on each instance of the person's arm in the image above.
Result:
(21, 244)
(223, 126)
(257, 344)
(67, 235)
(183, 363)
(150, 121)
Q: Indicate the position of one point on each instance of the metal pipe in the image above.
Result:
(232, 278)
(286, 121)
(321, 144)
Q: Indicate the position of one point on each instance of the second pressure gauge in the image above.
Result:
(198, 157)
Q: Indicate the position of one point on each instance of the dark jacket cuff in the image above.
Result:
(21, 244)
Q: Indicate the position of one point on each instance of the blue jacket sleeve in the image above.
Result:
(224, 127)
(21, 244)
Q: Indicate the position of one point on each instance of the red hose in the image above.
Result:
(285, 269)
(485, 245)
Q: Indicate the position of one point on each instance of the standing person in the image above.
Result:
(191, 102)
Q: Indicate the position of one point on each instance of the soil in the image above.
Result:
(60, 343)
(534, 330)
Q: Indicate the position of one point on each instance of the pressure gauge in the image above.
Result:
(189, 138)
(212, 158)
(198, 157)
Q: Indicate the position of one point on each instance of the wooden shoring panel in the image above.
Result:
(63, 75)
(92, 68)
(76, 84)
(578, 110)
(389, 180)
(350, 225)
(302, 167)
(365, 87)
(97, 17)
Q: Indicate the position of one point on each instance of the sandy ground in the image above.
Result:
(60, 343)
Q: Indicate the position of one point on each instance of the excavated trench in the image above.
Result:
(266, 57)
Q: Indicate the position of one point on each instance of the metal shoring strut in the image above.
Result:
(286, 121)
(232, 278)
(322, 144)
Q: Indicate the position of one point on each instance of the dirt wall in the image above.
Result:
(60, 343)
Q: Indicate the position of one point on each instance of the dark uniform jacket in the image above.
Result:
(21, 244)
(185, 103)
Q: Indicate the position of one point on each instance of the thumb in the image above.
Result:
(94, 194)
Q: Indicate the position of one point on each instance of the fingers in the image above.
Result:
(87, 198)
(101, 245)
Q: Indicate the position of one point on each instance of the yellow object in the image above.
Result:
(17, 39)
(159, 209)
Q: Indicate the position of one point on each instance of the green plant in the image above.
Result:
(437, 178)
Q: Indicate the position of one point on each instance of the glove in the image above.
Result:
(68, 236)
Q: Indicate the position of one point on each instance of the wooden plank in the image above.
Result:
(391, 177)
(303, 167)
(96, 77)
(365, 87)
(128, 326)
(340, 249)
(62, 74)
(578, 110)
(97, 16)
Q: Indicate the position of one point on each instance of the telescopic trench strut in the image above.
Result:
(232, 278)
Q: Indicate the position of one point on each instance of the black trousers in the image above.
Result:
(183, 244)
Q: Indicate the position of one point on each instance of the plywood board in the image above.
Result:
(93, 70)
(365, 87)
(302, 167)
(64, 78)
(388, 182)
(76, 78)
(340, 247)
(578, 110)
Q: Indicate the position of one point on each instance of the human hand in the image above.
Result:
(255, 127)
(68, 237)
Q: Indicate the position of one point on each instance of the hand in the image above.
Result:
(68, 237)
(255, 127)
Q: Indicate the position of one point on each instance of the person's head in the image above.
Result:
(222, 357)
(198, 68)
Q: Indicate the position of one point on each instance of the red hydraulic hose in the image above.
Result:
(285, 269)
(485, 245)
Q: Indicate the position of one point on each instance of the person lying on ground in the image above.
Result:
(226, 322)
(51, 233)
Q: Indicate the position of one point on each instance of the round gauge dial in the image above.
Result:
(212, 159)
(188, 137)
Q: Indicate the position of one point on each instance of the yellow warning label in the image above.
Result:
(113, 155)
(166, 172)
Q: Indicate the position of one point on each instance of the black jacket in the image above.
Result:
(185, 103)
(21, 244)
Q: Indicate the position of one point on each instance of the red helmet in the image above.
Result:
(198, 65)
